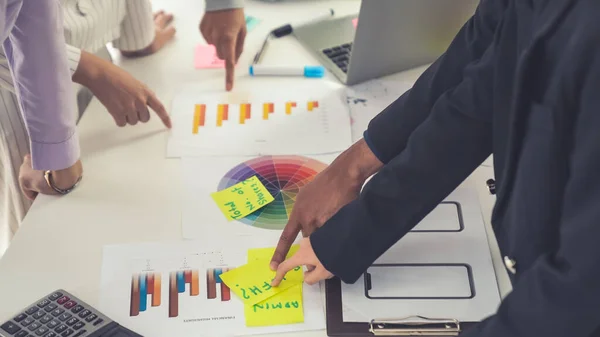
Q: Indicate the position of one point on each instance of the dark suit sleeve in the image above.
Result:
(440, 153)
(560, 294)
(389, 131)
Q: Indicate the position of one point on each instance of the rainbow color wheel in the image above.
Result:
(283, 176)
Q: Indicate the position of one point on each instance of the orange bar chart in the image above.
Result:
(268, 108)
(199, 117)
(288, 107)
(222, 113)
(244, 112)
(312, 104)
(177, 282)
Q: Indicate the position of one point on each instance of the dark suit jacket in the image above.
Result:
(521, 80)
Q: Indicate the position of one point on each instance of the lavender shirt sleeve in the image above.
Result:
(35, 49)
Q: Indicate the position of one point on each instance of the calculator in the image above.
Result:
(61, 314)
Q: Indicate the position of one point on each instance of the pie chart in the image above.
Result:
(283, 176)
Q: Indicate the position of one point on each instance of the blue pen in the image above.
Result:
(274, 70)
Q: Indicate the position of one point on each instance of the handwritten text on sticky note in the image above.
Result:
(252, 282)
(242, 198)
(283, 308)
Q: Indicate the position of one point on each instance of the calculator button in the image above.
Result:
(67, 333)
(63, 300)
(64, 316)
(60, 328)
(53, 324)
(46, 319)
(10, 327)
(27, 321)
(57, 312)
(91, 317)
(51, 334)
(43, 303)
(72, 321)
(38, 314)
(70, 304)
(78, 325)
(32, 310)
(77, 308)
(34, 326)
(79, 333)
(55, 296)
(41, 331)
(99, 321)
(21, 333)
(20, 318)
(84, 313)
(50, 307)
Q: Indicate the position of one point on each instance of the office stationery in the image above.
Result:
(368, 99)
(350, 52)
(284, 308)
(194, 300)
(243, 198)
(436, 283)
(205, 56)
(252, 282)
(287, 118)
(61, 313)
(280, 70)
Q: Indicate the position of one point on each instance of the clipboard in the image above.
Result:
(395, 327)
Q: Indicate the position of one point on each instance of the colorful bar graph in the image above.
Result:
(244, 112)
(222, 113)
(177, 282)
(268, 108)
(173, 295)
(213, 277)
(312, 104)
(288, 107)
(199, 117)
(195, 284)
(142, 286)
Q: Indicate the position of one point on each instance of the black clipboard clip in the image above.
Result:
(415, 326)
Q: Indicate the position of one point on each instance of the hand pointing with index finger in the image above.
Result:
(305, 256)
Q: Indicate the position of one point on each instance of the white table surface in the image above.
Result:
(130, 191)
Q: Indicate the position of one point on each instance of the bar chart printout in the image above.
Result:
(274, 124)
(214, 283)
(177, 286)
(145, 292)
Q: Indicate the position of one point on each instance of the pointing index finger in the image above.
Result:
(286, 240)
(160, 110)
(286, 266)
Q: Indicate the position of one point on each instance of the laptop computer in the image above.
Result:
(386, 37)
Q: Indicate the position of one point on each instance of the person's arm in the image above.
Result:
(390, 130)
(6, 81)
(440, 153)
(35, 50)
(218, 5)
(142, 32)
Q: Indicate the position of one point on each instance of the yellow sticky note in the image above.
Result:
(252, 282)
(283, 308)
(265, 254)
(242, 198)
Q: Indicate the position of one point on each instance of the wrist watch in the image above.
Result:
(50, 182)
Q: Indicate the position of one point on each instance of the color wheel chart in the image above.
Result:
(177, 282)
(143, 287)
(213, 278)
(283, 176)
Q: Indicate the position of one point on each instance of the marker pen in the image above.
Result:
(269, 70)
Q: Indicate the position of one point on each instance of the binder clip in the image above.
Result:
(415, 326)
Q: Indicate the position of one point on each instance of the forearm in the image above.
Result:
(89, 68)
(217, 5)
(36, 53)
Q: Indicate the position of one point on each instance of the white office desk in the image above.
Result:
(130, 191)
